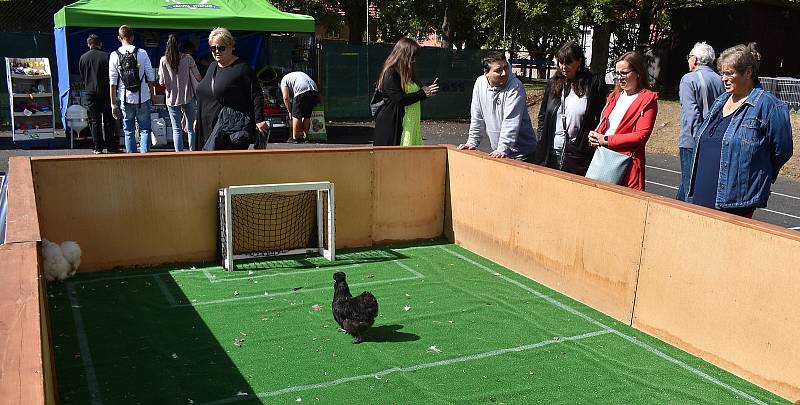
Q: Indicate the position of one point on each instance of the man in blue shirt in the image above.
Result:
(698, 90)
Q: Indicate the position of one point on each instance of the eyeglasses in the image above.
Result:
(623, 74)
(215, 48)
(727, 74)
(690, 56)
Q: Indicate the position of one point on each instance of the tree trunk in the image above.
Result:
(355, 15)
(601, 38)
(447, 30)
(645, 21)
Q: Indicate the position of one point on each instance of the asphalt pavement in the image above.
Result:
(662, 173)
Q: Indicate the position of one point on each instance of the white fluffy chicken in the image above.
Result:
(60, 262)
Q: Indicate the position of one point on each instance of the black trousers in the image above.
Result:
(101, 122)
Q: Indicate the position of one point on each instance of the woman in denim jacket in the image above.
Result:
(744, 141)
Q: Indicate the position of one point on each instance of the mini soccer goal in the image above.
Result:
(276, 219)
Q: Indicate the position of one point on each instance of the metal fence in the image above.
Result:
(787, 89)
(348, 74)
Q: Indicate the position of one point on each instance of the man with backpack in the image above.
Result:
(132, 79)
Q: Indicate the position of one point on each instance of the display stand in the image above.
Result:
(30, 91)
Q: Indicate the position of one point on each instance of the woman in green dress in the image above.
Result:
(397, 122)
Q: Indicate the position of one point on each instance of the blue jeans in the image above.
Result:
(686, 155)
(131, 113)
(175, 115)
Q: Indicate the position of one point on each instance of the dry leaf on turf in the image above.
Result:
(316, 307)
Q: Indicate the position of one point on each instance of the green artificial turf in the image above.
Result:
(453, 328)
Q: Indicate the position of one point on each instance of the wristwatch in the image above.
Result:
(605, 139)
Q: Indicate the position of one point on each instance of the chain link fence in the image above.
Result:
(29, 15)
(787, 89)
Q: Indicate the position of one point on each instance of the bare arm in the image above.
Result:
(286, 100)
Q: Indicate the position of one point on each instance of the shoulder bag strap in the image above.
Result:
(563, 123)
(704, 91)
(213, 76)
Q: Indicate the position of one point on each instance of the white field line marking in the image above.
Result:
(662, 169)
(416, 276)
(455, 360)
(164, 290)
(795, 228)
(662, 185)
(101, 279)
(786, 195)
(315, 270)
(631, 339)
(410, 270)
(763, 209)
(677, 172)
(780, 213)
(83, 344)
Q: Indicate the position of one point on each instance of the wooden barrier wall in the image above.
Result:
(25, 372)
(718, 286)
(162, 207)
(570, 236)
(724, 289)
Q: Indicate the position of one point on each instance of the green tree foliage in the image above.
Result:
(331, 13)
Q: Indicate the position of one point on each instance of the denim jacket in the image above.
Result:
(757, 143)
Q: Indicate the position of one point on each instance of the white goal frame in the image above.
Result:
(321, 187)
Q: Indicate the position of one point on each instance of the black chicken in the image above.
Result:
(353, 314)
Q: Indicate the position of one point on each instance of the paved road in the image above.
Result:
(663, 171)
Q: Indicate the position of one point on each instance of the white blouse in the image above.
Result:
(623, 103)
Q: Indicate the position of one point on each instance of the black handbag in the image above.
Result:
(376, 103)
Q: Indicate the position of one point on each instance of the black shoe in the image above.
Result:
(294, 140)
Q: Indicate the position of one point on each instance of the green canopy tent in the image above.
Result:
(246, 17)
(235, 15)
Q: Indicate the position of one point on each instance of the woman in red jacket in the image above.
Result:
(628, 117)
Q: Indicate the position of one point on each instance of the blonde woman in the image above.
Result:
(228, 88)
(397, 122)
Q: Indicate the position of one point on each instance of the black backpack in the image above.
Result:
(129, 70)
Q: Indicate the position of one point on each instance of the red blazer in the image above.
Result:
(633, 132)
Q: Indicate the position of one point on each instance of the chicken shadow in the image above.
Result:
(389, 333)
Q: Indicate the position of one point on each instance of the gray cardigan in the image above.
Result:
(691, 95)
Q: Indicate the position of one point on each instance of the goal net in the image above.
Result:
(276, 219)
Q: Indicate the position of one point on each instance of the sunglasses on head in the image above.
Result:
(215, 48)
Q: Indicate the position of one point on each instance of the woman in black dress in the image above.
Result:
(229, 82)
(397, 73)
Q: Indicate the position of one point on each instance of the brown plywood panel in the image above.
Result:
(577, 238)
(146, 210)
(22, 371)
(409, 193)
(22, 223)
(724, 290)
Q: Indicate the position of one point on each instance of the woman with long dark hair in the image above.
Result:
(397, 122)
(628, 117)
(178, 73)
(571, 108)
